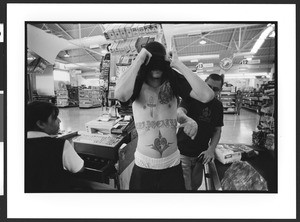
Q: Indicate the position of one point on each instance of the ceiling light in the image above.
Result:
(31, 58)
(202, 42)
(194, 60)
(262, 38)
(94, 46)
(104, 51)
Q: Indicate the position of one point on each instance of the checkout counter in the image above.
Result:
(108, 145)
(253, 172)
(99, 146)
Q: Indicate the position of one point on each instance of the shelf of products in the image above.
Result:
(252, 101)
(265, 137)
(89, 98)
(128, 40)
(227, 98)
(67, 97)
(62, 98)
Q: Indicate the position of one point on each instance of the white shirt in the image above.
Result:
(71, 160)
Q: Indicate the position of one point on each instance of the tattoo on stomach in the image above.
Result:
(147, 125)
(160, 144)
(152, 105)
(165, 94)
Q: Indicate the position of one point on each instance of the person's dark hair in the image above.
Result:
(157, 61)
(38, 110)
(215, 77)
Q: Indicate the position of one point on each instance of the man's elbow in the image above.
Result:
(121, 96)
(208, 97)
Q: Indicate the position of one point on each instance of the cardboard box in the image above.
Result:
(111, 33)
(117, 32)
(123, 31)
(134, 29)
(106, 33)
(132, 45)
(128, 30)
(141, 29)
(226, 155)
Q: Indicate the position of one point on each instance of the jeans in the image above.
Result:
(192, 179)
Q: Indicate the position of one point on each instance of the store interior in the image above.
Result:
(76, 66)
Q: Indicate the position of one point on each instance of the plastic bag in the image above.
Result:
(242, 176)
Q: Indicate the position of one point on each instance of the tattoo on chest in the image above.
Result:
(160, 144)
(165, 94)
(152, 105)
(147, 125)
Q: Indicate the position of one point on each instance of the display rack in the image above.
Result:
(128, 40)
(227, 98)
(252, 101)
(62, 98)
(90, 98)
(265, 136)
(67, 97)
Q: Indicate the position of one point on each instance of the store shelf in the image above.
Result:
(227, 97)
(256, 109)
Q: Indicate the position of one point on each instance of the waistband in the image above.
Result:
(156, 163)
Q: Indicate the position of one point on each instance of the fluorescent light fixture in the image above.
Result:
(198, 57)
(262, 38)
(194, 60)
(31, 58)
(104, 51)
(94, 46)
(202, 42)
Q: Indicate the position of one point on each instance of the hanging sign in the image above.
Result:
(226, 59)
(226, 63)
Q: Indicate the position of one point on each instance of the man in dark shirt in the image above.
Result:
(209, 118)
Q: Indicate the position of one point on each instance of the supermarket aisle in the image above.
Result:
(237, 129)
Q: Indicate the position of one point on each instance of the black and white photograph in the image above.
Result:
(116, 108)
(218, 130)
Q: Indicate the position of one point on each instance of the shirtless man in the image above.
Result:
(154, 87)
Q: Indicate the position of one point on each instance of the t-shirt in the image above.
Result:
(208, 116)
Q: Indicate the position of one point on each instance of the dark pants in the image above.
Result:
(170, 179)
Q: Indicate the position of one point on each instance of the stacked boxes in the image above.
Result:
(124, 31)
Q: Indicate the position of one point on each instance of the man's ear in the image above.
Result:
(40, 124)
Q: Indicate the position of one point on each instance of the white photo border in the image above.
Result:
(125, 205)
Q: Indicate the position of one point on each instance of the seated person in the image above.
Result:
(48, 160)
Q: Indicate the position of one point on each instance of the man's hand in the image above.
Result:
(144, 56)
(190, 127)
(208, 155)
(173, 55)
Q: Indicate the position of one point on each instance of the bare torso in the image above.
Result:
(155, 116)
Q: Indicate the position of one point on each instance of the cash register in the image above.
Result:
(98, 146)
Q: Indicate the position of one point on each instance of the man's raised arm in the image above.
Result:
(200, 90)
(125, 84)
